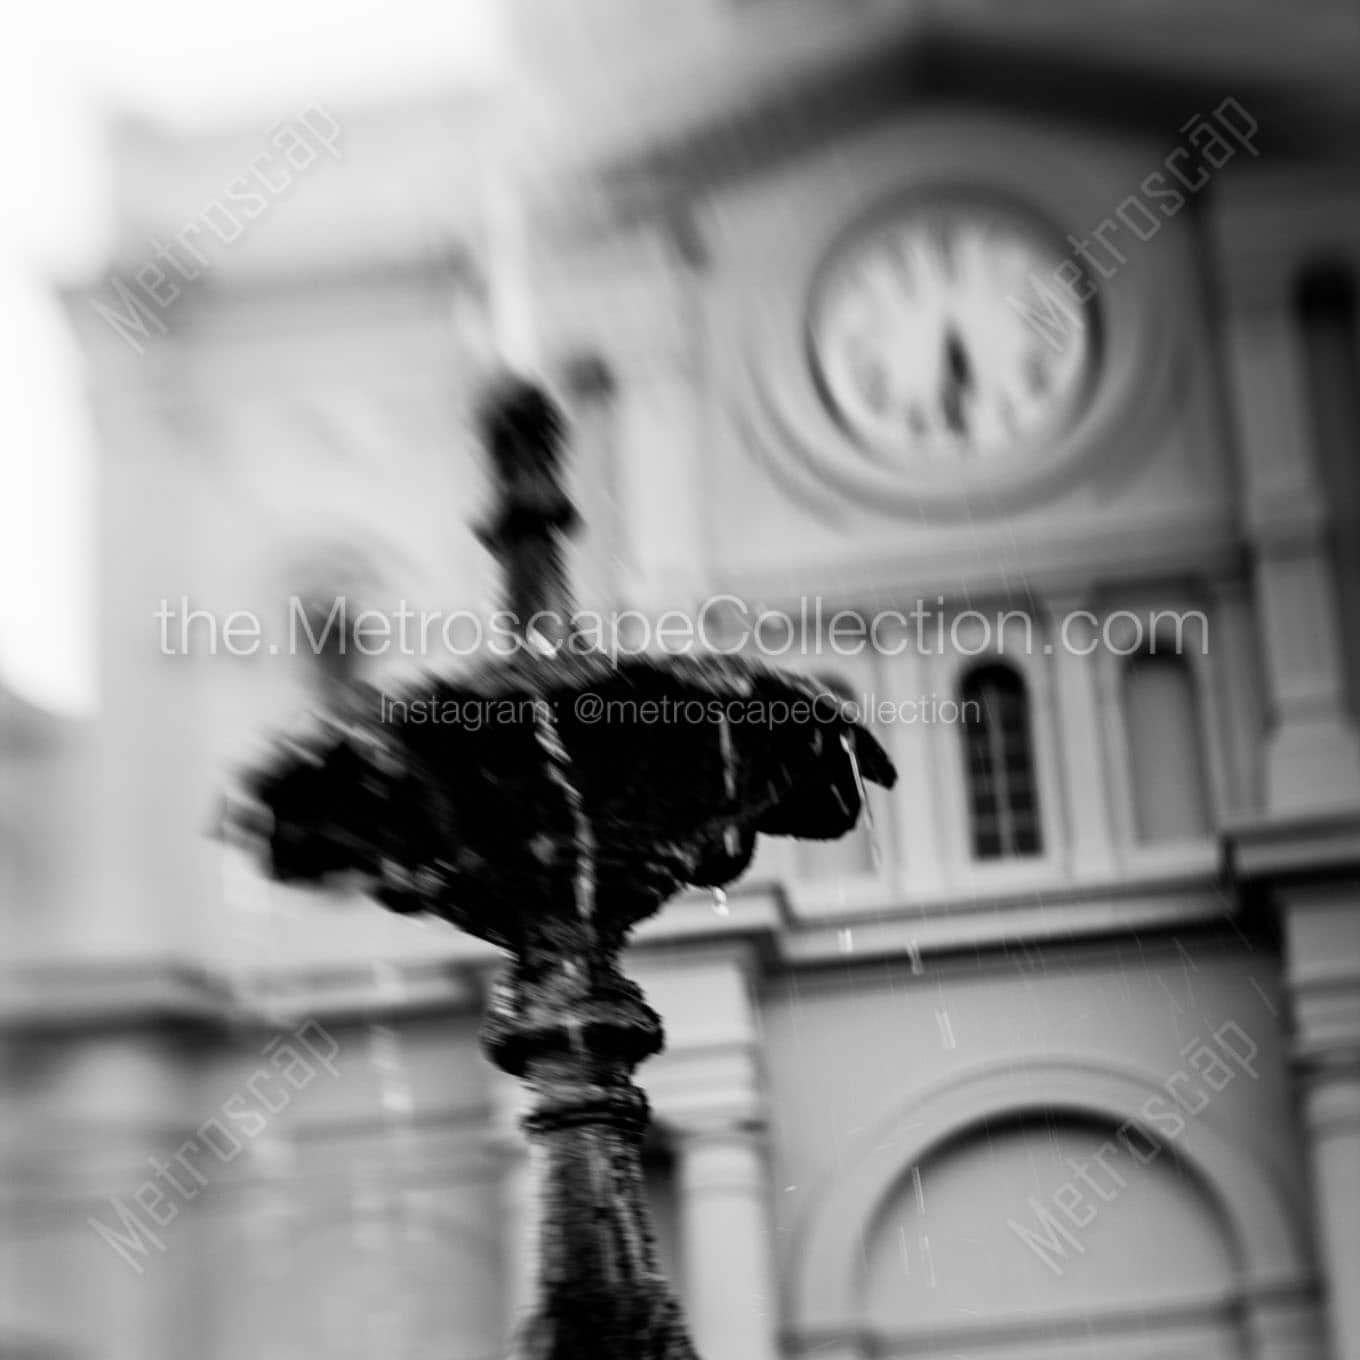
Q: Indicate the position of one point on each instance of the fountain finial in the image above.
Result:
(531, 513)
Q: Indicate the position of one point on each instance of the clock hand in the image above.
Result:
(958, 382)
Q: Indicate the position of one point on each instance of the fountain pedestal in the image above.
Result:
(574, 1031)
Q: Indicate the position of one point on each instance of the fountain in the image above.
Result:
(589, 791)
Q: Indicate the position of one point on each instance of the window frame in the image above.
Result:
(1034, 666)
(998, 739)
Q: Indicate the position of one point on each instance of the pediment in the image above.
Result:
(690, 131)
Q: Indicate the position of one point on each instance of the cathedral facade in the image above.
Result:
(997, 365)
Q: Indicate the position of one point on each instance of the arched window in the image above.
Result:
(1003, 793)
(1166, 749)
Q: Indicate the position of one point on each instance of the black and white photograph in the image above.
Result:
(680, 680)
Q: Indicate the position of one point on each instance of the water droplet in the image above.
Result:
(866, 808)
(542, 645)
(720, 906)
(845, 939)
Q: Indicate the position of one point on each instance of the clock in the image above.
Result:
(941, 331)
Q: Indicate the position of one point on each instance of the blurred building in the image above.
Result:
(1063, 1057)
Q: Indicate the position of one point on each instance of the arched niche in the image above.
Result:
(1168, 772)
(963, 1157)
(1036, 1228)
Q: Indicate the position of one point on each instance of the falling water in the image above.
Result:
(875, 853)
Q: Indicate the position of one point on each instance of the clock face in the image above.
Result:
(942, 333)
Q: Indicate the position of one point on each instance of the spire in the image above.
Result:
(531, 514)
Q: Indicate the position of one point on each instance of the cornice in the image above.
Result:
(1056, 559)
(765, 930)
(1295, 848)
(53, 999)
(1116, 67)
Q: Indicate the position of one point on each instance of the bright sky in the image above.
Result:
(63, 64)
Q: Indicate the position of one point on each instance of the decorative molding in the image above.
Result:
(1065, 553)
(1102, 63)
(1029, 1336)
(771, 925)
(1331, 1076)
(793, 925)
(1292, 847)
(87, 995)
